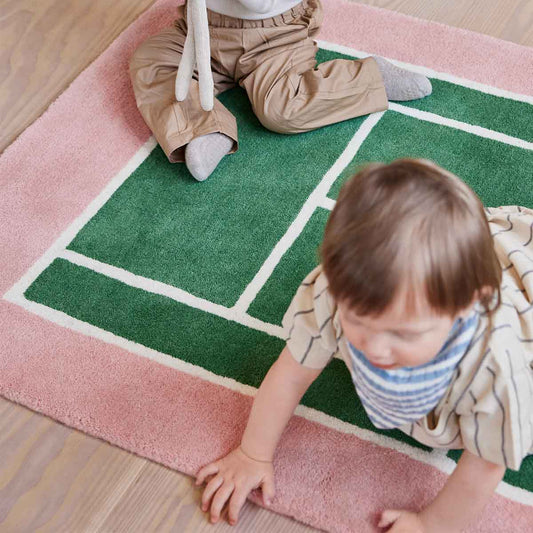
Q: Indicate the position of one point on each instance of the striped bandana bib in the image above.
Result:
(392, 398)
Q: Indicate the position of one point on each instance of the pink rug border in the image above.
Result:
(59, 164)
(465, 54)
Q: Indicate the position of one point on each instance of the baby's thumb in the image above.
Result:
(268, 491)
(389, 517)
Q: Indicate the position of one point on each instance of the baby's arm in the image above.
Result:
(250, 465)
(461, 499)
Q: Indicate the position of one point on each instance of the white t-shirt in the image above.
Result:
(251, 9)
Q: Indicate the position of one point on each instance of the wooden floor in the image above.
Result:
(53, 478)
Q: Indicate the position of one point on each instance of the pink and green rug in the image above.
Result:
(144, 308)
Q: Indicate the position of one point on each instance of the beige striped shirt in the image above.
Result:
(488, 407)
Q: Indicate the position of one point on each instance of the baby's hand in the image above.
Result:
(234, 477)
(407, 522)
(401, 522)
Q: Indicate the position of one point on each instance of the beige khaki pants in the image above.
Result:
(272, 59)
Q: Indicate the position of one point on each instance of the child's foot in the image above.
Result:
(203, 154)
(401, 84)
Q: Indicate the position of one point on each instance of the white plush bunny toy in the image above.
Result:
(196, 52)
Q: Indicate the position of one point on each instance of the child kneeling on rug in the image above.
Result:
(410, 294)
(267, 48)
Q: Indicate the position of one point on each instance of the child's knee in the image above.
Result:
(279, 121)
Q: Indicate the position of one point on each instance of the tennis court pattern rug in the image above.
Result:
(146, 308)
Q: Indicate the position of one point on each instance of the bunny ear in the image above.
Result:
(185, 69)
(188, 59)
(203, 53)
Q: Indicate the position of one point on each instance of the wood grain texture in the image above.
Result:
(45, 44)
(511, 20)
(55, 479)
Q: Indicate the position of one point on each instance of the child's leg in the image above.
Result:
(153, 70)
(290, 94)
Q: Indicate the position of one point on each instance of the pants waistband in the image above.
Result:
(218, 20)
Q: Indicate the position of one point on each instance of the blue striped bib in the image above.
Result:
(401, 396)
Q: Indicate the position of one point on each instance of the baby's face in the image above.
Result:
(398, 338)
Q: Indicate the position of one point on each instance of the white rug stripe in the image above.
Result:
(487, 89)
(464, 126)
(169, 291)
(435, 458)
(66, 237)
(312, 202)
(327, 203)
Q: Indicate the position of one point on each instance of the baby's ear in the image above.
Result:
(487, 291)
(484, 294)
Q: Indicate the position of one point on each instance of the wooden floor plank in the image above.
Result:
(55, 479)
(511, 20)
(45, 45)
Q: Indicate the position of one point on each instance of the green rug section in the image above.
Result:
(499, 173)
(272, 301)
(157, 322)
(469, 105)
(211, 238)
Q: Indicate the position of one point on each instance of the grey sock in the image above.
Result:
(401, 84)
(203, 154)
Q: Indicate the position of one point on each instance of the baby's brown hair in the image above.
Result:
(411, 224)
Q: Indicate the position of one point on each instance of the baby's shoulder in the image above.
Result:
(496, 360)
(512, 230)
(503, 214)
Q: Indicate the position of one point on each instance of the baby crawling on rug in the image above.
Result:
(438, 340)
(267, 48)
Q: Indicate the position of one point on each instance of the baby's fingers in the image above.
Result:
(389, 517)
(207, 470)
(221, 497)
(237, 501)
(210, 489)
(268, 490)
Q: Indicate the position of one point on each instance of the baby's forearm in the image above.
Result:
(464, 495)
(277, 397)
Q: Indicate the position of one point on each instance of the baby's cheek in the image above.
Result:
(418, 353)
(430, 350)
(353, 337)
